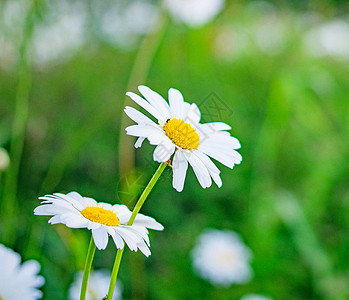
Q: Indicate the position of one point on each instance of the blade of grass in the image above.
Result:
(19, 125)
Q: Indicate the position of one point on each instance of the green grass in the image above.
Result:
(288, 199)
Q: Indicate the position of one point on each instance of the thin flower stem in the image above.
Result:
(87, 270)
(135, 211)
(146, 192)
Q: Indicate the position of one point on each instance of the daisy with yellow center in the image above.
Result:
(178, 132)
(102, 219)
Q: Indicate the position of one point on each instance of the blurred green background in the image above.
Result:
(277, 72)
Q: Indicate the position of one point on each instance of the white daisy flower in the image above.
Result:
(179, 132)
(255, 297)
(4, 159)
(102, 219)
(98, 284)
(221, 258)
(194, 13)
(20, 282)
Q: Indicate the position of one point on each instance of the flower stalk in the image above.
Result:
(89, 258)
(135, 211)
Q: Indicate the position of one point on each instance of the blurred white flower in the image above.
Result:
(231, 42)
(271, 34)
(97, 288)
(221, 258)
(18, 281)
(12, 16)
(4, 159)
(194, 13)
(60, 34)
(103, 219)
(330, 39)
(255, 297)
(123, 24)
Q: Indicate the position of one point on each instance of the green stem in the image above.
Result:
(137, 208)
(87, 270)
(146, 192)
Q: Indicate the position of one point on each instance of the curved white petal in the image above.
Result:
(224, 156)
(139, 142)
(137, 116)
(179, 167)
(145, 104)
(156, 100)
(211, 167)
(199, 169)
(129, 237)
(148, 222)
(154, 134)
(176, 103)
(144, 249)
(216, 126)
(163, 152)
(100, 237)
(194, 114)
(118, 241)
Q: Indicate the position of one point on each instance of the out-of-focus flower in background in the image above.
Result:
(329, 39)
(98, 284)
(61, 33)
(194, 13)
(121, 24)
(221, 257)
(4, 159)
(255, 297)
(12, 15)
(18, 281)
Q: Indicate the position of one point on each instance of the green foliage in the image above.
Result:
(288, 199)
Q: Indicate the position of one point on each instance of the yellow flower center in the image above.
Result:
(100, 215)
(182, 134)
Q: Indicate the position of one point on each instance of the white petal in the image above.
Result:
(90, 201)
(129, 237)
(179, 167)
(200, 169)
(137, 116)
(100, 237)
(144, 249)
(121, 209)
(219, 139)
(216, 126)
(118, 241)
(55, 220)
(211, 167)
(155, 135)
(176, 103)
(139, 142)
(75, 221)
(145, 104)
(186, 108)
(157, 101)
(141, 232)
(149, 222)
(194, 114)
(228, 158)
(163, 152)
